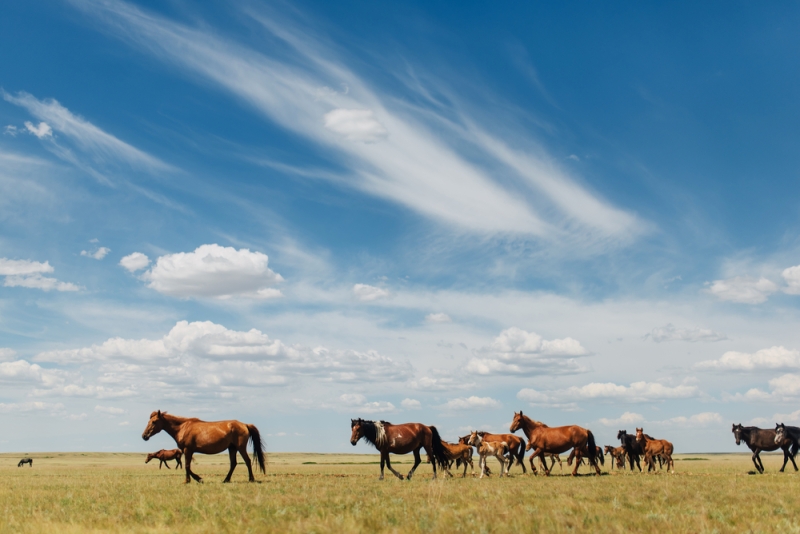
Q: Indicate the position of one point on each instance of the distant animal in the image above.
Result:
(516, 447)
(461, 453)
(24, 461)
(655, 447)
(633, 449)
(195, 436)
(583, 453)
(400, 439)
(163, 455)
(543, 439)
(762, 439)
(617, 455)
(783, 432)
(498, 449)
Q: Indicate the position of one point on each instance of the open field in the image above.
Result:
(80, 492)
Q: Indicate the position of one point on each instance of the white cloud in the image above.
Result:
(78, 417)
(516, 351)
(12, 408)
(472, 403)
(11, 130)
(367, 293)
(628, 418)
(125, 423)
(27, 273)
(98, 254)
(411, 404)
(135, 262)
(110, 410)
(700, 419)
(771, 358)
(21, 371)
(743, 289)
(670, 333)
(355, 125)
(786, 417)
(636, 392)
(792, 278)
(533, 396)
(442, 383)
(357, 403)
(23, 267)
(41, 131)
(7, 355)
(438, 318)
(213, 271)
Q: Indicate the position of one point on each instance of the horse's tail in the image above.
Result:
(602, 456)
(258, 447)
(795, 447)
(437, 449)
(521, 453)
(592, 446)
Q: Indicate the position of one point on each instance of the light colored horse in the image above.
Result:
(498, 449)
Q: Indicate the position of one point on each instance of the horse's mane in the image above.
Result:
(374, 432)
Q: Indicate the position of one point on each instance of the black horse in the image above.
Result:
(762, 439)
(25, 461)
(783, 432)
(633, 449)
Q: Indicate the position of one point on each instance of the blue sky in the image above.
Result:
(298, 214)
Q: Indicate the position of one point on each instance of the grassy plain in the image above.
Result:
(93, 492)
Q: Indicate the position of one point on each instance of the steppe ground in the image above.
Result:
(85, 492)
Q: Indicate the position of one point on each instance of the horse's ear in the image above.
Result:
(159, 413)
(520, 412)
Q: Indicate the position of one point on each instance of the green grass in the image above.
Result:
(341, 493)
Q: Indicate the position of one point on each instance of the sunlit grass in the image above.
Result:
(323, 493)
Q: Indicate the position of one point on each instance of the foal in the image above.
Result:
(461, 453)
(163, 455)
(653, 448)
(498, 449)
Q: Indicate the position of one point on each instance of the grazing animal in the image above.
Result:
(617, 455)
(762, 439)
(461, 453)
(633, 449)
(653, 448)
(163, 455)
(195, 436)
(24, 461)
(783, 432)
(544, 439)
(498, 449)
(401, 439)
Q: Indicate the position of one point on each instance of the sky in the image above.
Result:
(295, 214)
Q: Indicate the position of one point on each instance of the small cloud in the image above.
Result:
(438, 318)
(11, 130)
(124, 423)
(368, 293)
(472, 403)
(358, 403)
(411, 404)
(77, 417)
(355, 125)
(98, 254)
(41, 131)
(670, 333)
(628, 418)
(110, 410)
(573, 157)
(135, 262)
(27, 273)
(743, 289)
(792, 278)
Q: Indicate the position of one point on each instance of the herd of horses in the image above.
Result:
(547, 443)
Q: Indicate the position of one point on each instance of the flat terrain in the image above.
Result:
(84, 492)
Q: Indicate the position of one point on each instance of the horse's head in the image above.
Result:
(356, 425)
(621, 435)
(609, 449)
(780, 433)
(639, 435)
(737, 433)
(154, 425)
(516, 423)
(463, 440)
(475, 439)
(149, 457)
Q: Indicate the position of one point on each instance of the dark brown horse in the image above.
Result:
(163, 456)
(655, 448)
(193, 435)
(762, 439)
(543, 439)
(783, 432)
(25, 461)
(633, 449)
(401, 439)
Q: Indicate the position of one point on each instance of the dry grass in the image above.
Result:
(117, 492)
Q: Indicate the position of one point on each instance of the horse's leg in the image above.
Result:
(756, 459)
(790, 457)
(540, 453)
(160, 463)
(232, 455)
(578, 458)
(417, 461)
(188, 454)
(389, 465)
(246, 458)
(786, 456)
(482, 463)
(179, 464)
(383, 462)
(533, 467)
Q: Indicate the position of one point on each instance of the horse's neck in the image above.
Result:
(172, 424)
(528, 425)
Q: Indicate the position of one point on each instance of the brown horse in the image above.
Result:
(517, 451)
(401, 439)
(193, 435)
(763, 439)
(617, 455)
(544, 439)
(583, 453)
(163, 455)
(461, 453)
(654, 448)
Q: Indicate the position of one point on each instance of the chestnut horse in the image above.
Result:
(163, 456)
(654, 448)
(462, 453)
(401, 439)
(544, 439)
(516, 447)
(193, 435)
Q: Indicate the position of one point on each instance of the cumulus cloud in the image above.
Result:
(700, 419)
(438, 318)
(355, 125)
(670, 333)
(472, 403)
(98, 254)
(516, 352)
(212, 271)
(7, 355)
(357, 403)
(636, 392)
(628, 418)
(109, 410)
(21, 371)
(792, 278)
(772, 358)
(135, 262)
(743, 289)
(41, 131)
(411, 404)
(368, 293)
(27, 273)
